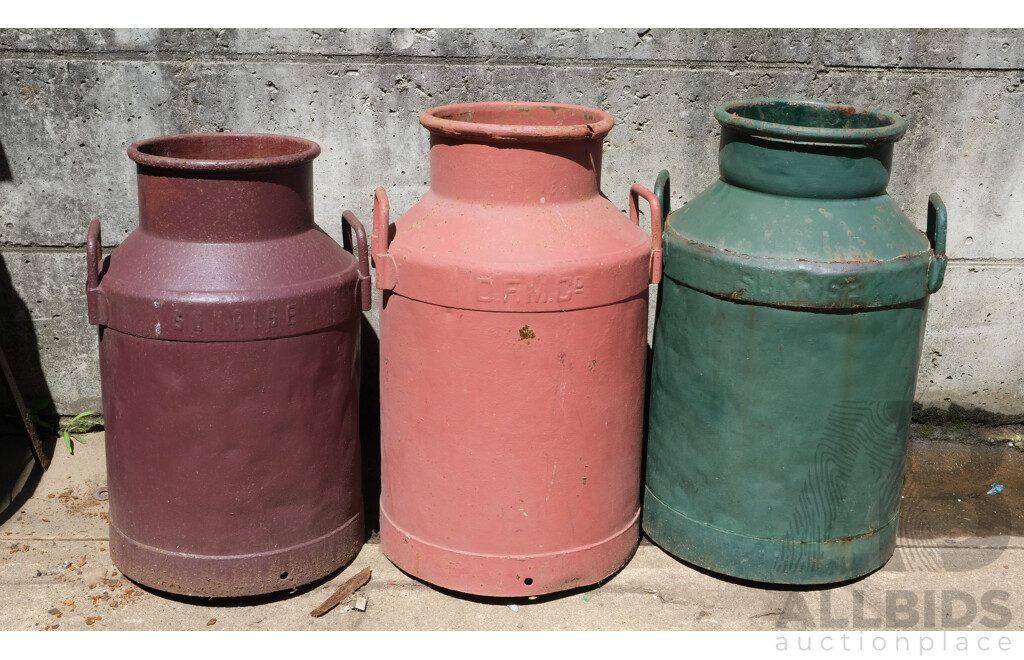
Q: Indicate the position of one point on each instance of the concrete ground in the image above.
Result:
(959, 565)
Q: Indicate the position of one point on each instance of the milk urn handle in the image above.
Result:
(635, 193)
(663, 190)
(94, 262)
(387, 274)
(937, 237)
(363, 293)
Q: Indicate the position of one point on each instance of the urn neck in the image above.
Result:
(510, 173)
(224, 187)
(508, 153)
(807, 149)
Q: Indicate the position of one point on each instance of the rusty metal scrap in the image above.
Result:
(343, 592)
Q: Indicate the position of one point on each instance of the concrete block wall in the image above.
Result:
(72, 100)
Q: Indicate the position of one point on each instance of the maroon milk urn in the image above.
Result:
(229, 338)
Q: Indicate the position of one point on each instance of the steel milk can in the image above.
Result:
(229, 338)
(513, 355)
(786, 348)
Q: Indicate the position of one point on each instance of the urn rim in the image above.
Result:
(517, 121)
(819, 122)
(223, 152)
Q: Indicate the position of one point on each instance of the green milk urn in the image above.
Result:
(786, 348)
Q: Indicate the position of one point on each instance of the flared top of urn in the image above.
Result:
(225, 186)
(807, 148)
(518, 121)
(516, 152)
(223, 152)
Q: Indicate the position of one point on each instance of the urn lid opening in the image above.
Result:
(522, 121)
(810, 121)
(223, 152)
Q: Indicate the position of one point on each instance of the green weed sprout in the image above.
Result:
(78, 424)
